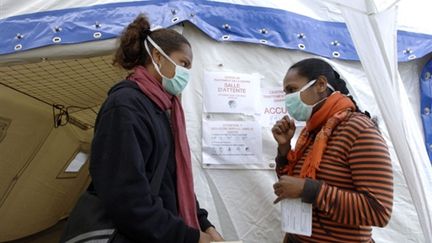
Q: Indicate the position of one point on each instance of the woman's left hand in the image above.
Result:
(288, 187)
(214, 234)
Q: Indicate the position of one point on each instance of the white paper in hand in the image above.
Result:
(296, 217)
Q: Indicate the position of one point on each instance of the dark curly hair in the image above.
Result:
(132, 53)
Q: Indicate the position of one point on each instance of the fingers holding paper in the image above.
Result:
(288, 187)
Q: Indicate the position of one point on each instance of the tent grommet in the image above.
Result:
(263, 41)
(226, 26)
(18, 47)
(412, 57)
(57, 29)
(263, 31)
(336, 54)
(97, 35)
(19, 36)
(225, 37)
(56, 39)
(175, 19)
(301, 46)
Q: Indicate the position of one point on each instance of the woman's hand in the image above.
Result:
(215, 236)
(288, 187)
(204, 238)
(283, 131)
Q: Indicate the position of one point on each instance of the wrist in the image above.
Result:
(310, 190)
(283, 149)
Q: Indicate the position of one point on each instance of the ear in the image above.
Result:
(156, 56)
(321, 84)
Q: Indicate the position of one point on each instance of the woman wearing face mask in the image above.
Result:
(340, 163)
(141, 120)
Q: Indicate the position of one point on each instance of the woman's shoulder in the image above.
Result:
(359, 122)
(126, 94)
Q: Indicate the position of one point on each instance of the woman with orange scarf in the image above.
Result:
(340, 163)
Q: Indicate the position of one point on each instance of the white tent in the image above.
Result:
(55, 60)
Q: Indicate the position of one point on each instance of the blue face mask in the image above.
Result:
(176, 84)
(296, 108)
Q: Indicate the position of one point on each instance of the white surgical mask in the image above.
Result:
(296, 108)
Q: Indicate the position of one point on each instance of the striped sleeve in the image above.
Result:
(370, 203)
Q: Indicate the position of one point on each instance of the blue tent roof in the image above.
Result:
(221, 21)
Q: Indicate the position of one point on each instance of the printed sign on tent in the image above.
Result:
(231, 142)
(230, 92)
(273, 106)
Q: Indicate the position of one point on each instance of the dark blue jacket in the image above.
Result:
(131, 133)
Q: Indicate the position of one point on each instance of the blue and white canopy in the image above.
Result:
(312, 26)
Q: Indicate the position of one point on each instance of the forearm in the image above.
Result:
(352, 207)
(281, 160)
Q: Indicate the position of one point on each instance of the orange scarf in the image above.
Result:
(336, 108)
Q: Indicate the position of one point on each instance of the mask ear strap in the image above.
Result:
(331, 87)
(312, 82)
(157, 66)
(160, 50)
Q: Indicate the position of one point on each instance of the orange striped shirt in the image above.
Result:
(355, 189)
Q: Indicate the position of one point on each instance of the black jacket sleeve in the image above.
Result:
(202, 218)
(121, 147)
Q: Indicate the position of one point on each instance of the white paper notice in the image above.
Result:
(229, 92)
(273, 106)
(231, 142)
(296, 217)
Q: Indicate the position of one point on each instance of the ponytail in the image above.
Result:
(131, 53)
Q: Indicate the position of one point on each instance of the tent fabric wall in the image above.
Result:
(35, 192)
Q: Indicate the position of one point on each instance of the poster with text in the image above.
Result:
(273, 106)
(231, 142)
(230, 92)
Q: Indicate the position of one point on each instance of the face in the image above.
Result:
(182, 57)
(294, 82)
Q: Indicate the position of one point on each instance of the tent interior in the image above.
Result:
(50, 95)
